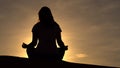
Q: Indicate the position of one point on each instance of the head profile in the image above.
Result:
(45, 14)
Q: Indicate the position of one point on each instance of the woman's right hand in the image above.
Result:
(64, 48)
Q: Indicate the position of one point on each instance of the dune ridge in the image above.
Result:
(14, 61)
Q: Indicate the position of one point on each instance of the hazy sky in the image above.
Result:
(91, 28)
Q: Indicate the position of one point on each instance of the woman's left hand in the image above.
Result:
(24, 45)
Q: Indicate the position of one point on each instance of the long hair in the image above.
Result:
(45, 15)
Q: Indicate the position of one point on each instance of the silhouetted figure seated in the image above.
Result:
(33, 54)
(45, 34)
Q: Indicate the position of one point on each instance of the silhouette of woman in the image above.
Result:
(45, 34)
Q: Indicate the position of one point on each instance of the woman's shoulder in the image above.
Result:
(36, 26)
(56, 24)
(58, 27)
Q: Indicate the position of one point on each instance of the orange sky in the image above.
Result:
(89, 28)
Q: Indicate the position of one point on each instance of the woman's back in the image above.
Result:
(46, 36)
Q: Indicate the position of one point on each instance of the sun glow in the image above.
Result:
(81, 55)
(68, 56)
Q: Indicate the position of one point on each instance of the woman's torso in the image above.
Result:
(46, 37)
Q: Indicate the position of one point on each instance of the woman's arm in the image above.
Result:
(33, 43)
(60, 42)
(34, 40)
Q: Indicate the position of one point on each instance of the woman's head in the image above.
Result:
(45, 15)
